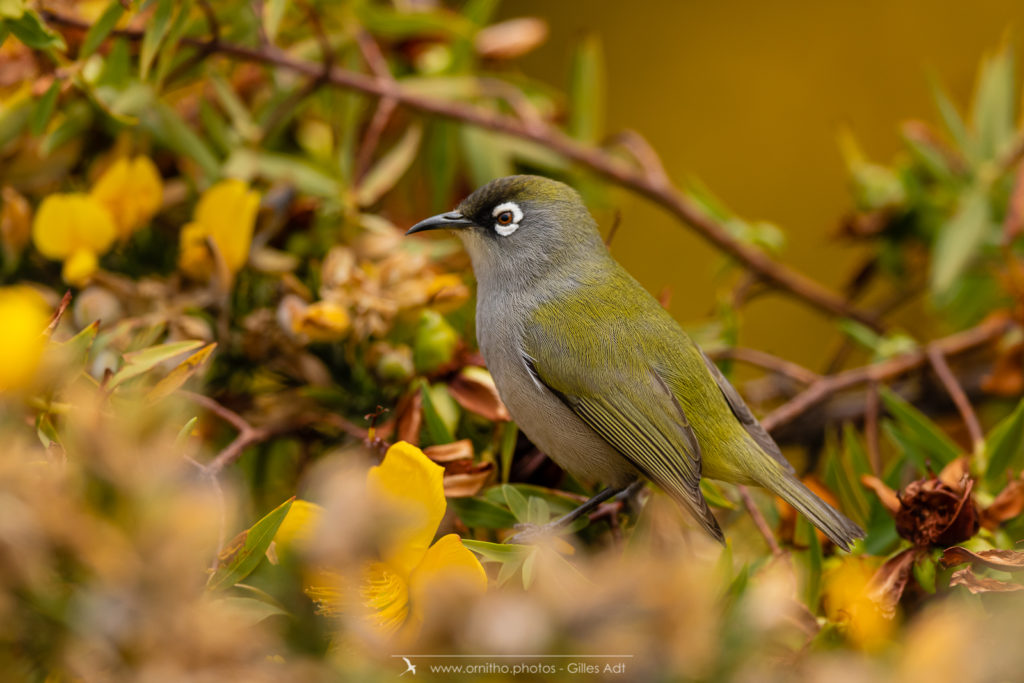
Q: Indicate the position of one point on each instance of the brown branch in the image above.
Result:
(759, 520)
(65, 301)
(247, 434)
(827, 386)
(956, 392)
(785, 278)
(385, 106)
(767, 361)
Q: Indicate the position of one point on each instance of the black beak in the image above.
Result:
(452, 221)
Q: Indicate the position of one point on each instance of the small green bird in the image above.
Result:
(594, 370)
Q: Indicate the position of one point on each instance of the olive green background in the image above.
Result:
(749, 98)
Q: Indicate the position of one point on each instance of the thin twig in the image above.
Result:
(780, 366)
(783, 277)
(203, 49)
(954, 344)
(385, 106)
(759, 521)
(956, 392)
(247, 434)
(65, 301)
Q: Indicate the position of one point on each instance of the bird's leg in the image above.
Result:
(529, 531)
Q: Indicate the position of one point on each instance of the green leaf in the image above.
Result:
(101, 29)
(30, 30)
(283, 168)
(509, 437)
(1004, 446)
(496, 552)
(273, 13)
(78, 346)
(186, 431)
(236, 110)
(176, 134)
(952, 120)
(245, 551)
(437, 428)
(537, 511)
(714, 495)
(813, 562)
(481, 513)
(960, 239)
(44, 108)
(156, 30)
(181, 374)
(390, 168)
(384, 21)
(11, 9)
(924, 571)
(559, 501)
(168, 53)
(528, 567)
(587, 90)
(920, 430)
(485, 157)
(46, 431)
(992, 112)
(516, 502)
(250, 611)
(139, 362)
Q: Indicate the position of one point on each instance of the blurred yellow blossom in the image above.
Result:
(76, 229)
(226, 215)
(24, 315)
(322, 321)
(848, 602)
(15, 220)
(394, 590)
(132, 190)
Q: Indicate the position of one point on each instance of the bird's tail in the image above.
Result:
(840, 529)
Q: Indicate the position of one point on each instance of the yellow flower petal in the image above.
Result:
(132, 191)
(66, 223)
(448, 567)
(24, 314)
(410, 487)
(385, 595)
(299, 524)
(227, 213)
(79, 267)
(322, 321)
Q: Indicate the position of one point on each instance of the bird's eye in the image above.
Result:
(506, 218)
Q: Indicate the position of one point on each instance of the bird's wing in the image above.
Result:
(642, 420)
(746, 418)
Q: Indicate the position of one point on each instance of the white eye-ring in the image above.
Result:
(507, 217)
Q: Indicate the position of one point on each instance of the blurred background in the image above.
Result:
(750, 97)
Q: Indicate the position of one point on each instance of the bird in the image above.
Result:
(596, 373)
(410, 667)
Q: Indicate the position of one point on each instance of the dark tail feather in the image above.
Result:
(841, 530)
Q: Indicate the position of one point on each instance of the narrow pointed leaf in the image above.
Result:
(179, 375)
(101, 29)
(1005, 446)
(139, 362)
(245, 551)
(920, 430)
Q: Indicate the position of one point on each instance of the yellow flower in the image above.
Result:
(848, 603)
(394, 590)
(132, 190)
(76, 229)
(24, 315)
(322, 321)
(225, 215)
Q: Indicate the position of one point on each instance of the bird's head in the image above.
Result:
(521, 225)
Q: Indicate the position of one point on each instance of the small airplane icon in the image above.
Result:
(412, 667)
